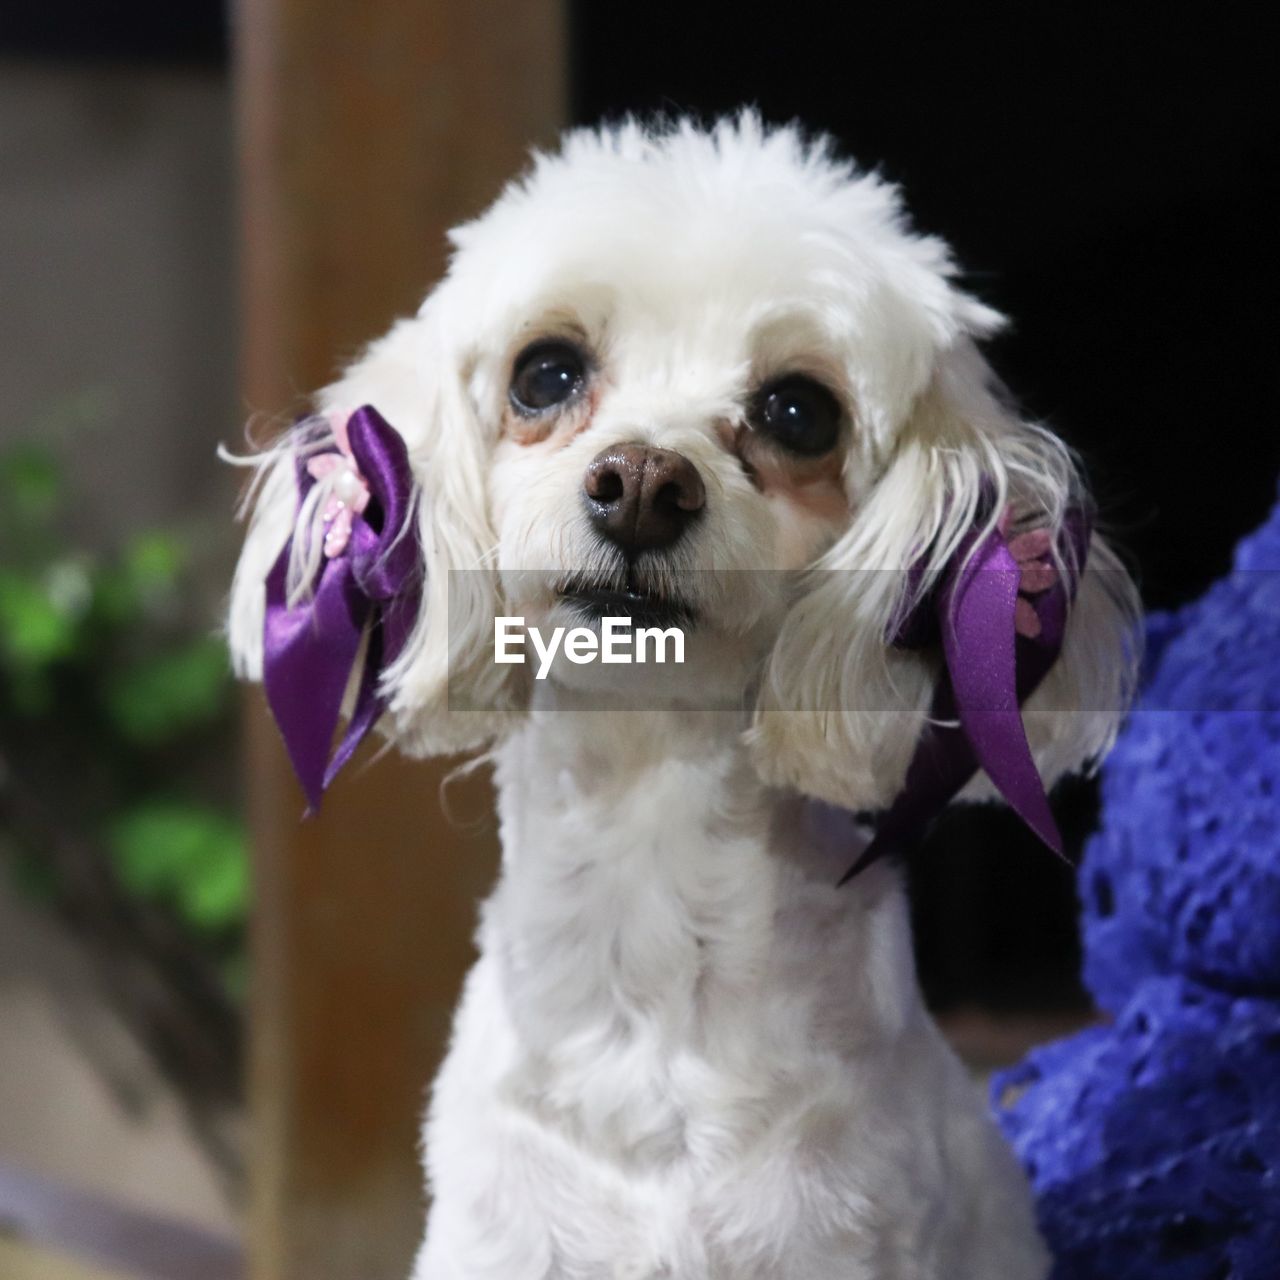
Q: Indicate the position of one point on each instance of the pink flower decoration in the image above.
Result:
(1036, 574)
(348, 498)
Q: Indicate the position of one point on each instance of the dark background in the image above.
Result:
(1107, 176)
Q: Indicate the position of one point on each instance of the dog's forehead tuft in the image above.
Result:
(687, 196)
(730, 214)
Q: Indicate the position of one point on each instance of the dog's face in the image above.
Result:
(680, 385)
(708, 379)
(671, 436)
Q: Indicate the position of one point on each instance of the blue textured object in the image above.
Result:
(1153, 1143)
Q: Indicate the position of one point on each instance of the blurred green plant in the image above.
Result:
(115, 716)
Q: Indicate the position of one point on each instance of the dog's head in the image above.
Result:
(708, 377)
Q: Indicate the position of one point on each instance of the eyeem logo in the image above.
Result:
(615, 642)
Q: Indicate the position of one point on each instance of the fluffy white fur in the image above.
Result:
(682, 1052)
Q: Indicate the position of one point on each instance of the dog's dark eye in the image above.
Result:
(547, 374)
(799, 414)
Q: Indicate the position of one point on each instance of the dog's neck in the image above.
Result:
(635, 856)
(655, 900)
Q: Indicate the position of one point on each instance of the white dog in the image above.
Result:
(664, 366)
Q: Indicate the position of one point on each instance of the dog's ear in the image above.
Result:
(415, 377)
(842, 708)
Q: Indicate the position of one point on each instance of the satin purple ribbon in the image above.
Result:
(990, 671)
(373, 584)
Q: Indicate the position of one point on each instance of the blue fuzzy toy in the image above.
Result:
(1153, 1142)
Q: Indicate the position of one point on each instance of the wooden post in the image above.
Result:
(366, 129)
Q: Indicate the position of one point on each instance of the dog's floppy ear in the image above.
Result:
(842, 707)
(415, 378)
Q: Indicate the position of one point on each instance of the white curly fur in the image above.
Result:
(682, 1053)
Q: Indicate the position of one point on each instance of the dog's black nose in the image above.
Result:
(641, 498)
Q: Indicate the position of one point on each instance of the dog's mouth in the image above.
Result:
(625, 597)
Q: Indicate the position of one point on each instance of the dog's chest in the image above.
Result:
(632, 942)
(671, 975)
(657, 1035)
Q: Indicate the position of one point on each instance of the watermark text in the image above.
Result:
(617, 641)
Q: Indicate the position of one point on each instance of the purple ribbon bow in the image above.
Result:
(370, 578)
(1001, 615)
